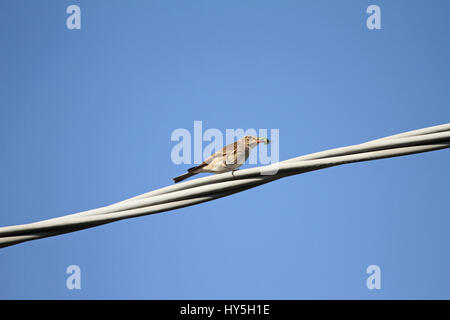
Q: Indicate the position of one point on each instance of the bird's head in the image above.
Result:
(253, 141)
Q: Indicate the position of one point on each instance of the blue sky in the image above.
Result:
(86, 118)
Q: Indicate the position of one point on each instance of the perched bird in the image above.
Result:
(230, 158)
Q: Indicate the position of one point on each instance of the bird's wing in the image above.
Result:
(223, 153)
(236, 154)
(233, 153)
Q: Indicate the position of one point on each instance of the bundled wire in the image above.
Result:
(221, 185)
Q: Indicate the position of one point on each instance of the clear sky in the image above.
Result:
(86, 118)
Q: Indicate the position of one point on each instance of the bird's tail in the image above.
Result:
(184, 176)
(191, 171)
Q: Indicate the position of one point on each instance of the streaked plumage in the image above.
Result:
(230, 158)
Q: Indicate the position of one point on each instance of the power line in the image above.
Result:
(216, 186)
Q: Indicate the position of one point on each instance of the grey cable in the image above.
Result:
(216, 186)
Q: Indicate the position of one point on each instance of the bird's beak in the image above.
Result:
(264, 140)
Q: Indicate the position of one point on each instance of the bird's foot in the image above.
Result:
(232, 171)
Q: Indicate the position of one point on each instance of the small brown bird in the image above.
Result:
(230, 158)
